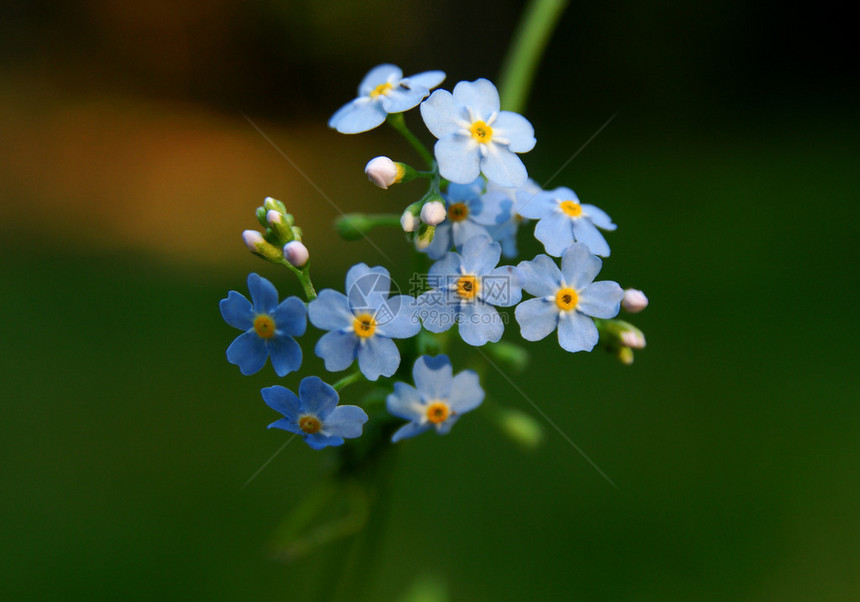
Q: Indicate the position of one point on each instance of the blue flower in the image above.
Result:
(566, 299)
(437, 400)
(564, 220)
(314, 414)
(465, 288)
(475, 136)
(363, 322)
(500, 207)
(383, 90)
(269, 328)
(466, 218)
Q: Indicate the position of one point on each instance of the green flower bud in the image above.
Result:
(519, 427)
(511, 356)
(261, 247)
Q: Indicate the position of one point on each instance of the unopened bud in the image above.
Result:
(634, 301)
(279, 226)
(296, 253)
(424, 237)
(260, 246)
(433, 213)
(270, 204)
(521, 428)
(633, 338)
(409, 220)
(625, 355)
(383, 172)
(512, 357)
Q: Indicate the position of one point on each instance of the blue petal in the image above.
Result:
(601, 299)
(501, 287)
(337, 349)
(433, 376)
(443, 271)
(367, 288)
(503, 167)
(405, 402)
(319, 441)
(467, 229)
(288, 425)
(445, 427)
(318, 398)
(330, 311)
(517, 129)
(442, 114)
(345, 421)
(283, 400)
(378, 356)
(442, 241)
(537, 318)
(598, 217)
(397, 318)
(555, 231)
(480, 255)
(381, 74)
(576, 332)
(360, 115)
(496, 209)
(291, 317)
(480, 323)
(402, 99)
(410, 429)
(586, 232)
(540, 276)
(465, 192)
(579, 267)
(536, 206)
(236, 311)
(466, 392)
(458, 157)
(437, 309)
(285, 353)
(248, 351)
(480, 95)
(426, 79)
(263, 294)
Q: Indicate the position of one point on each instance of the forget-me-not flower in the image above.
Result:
(563, 220)
(269, 328)
(466, 286)
(566, 299)
(437, 400)
(475, 136)
(314, 414)
(362, 323)
(383, 90)
(466, 218)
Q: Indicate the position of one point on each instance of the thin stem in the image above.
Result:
(525, 51)
(397, 121)
(348, 380)
(304, 276)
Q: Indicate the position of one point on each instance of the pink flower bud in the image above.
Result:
(634, 301)
(433, 213)
(632, 339)
(253, 240)
(383, 172)
(296, 253)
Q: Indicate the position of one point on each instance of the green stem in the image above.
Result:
(525, 51)
(397, 121)
(304, 276)
(348, 380)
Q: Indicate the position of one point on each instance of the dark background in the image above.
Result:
(127, 172)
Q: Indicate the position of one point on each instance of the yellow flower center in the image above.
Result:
(380, 90)
(264, 326)
(572, 208)
(468, 286)
(481, 132)
(458, 212)
(438, 412)
(566, 299)
(364, 325)
(310, 424)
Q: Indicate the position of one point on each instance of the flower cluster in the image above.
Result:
(478, 203)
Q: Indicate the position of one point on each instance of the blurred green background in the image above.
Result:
(128, 172)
